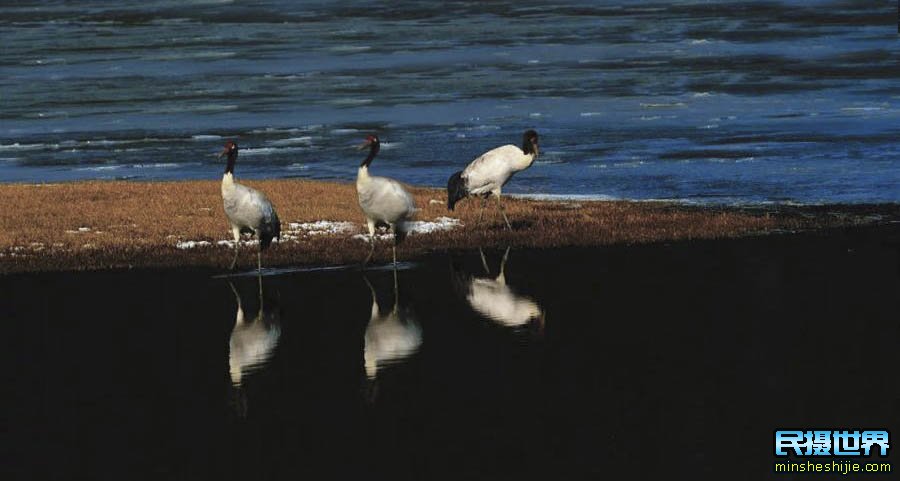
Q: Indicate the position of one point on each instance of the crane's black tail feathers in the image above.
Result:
(268, 232)
(456, 190)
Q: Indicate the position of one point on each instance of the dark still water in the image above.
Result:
(655, 362)
(711, 102)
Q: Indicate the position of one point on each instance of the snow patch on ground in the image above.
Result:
(321, 227)
(294, 231)
(439, 224)
(418, 227)
(244, 242)
(192, 244)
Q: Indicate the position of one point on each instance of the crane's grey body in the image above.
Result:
(492, 170)
(383, 201)
(487, 174)
(248, 210)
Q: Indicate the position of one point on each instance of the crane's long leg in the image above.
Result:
(397, 229)
(484, 201)
(371, 243)
(500, 206)
(237, 246)
(259, 260)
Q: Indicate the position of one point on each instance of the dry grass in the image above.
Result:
(137, 224)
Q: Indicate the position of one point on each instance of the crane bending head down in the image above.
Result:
(487, 174)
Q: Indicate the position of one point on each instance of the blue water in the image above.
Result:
(732, 102)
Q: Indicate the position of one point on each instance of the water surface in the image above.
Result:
(644, 362)
(725, 102)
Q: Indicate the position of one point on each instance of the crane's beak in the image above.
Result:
(223, 153)
(364, 145)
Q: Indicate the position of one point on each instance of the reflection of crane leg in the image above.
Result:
(237, 297)
(502, 276)
(503, 261)
(500, 206)
(371, 243)
(371, 289)
(375, 308)
(260, 293)
(396, 288)
(237, 245)
(239, 315)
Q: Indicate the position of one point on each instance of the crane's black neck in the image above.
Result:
(527, 146)
(373, 151)
(232, 157)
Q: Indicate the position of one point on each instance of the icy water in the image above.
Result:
(646, 362)
(723, 102)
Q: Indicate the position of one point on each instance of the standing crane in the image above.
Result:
(487, 174)
(383, 201)
(249, 211)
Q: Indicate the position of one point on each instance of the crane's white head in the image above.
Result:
(530, 142)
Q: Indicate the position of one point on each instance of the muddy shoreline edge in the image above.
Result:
(100, 225)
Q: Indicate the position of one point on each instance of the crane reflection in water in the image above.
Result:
(492, 298)
(252, 343)
(391, 337)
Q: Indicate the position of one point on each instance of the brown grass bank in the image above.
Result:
(118, 224)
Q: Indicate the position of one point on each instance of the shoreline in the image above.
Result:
(101, 225)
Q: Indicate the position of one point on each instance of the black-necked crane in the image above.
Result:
(486, 175)
(494, 299)
(390, 337)
(248, 210)
(383, 201)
